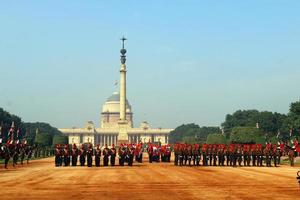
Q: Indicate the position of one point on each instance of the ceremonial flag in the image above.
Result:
(278, 133)
(291, 131)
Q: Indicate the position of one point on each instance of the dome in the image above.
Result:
(112, 104)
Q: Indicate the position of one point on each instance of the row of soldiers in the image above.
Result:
(15, 150)
(230, 155)
(157, 153)
(69, 156)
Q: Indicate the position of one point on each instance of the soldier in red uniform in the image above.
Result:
(74, 155)
(82, 154)
(204, 154)
(112, 153)
(89, 155)
(105, 155)
(97, 155)
(122, 155)
(150, 152)
(66, 155)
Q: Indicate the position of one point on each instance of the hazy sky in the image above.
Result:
(187, 61)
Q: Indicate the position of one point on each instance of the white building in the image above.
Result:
(116, 124)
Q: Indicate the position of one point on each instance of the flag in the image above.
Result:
(291, 131)
(278, 133)
(18, 131)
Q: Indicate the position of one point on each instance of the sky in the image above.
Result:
(187, 61)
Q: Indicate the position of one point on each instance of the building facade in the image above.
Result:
(116, 121)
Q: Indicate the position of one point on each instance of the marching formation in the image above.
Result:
(234, 154)
(16, 151)
(87, 155)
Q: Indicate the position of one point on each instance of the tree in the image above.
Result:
(60, 139)
(43, 139)
(192, 133)
(268, 122)
(247, 135)
(216, 138)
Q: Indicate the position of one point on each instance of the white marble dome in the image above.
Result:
(112, 104)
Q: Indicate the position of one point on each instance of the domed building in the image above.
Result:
(108, 130)
(110, 115)
(116, 121)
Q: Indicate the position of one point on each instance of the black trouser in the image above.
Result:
(57, 160)
(66, 160)
(189, 159)
(6, 161)
(215, 160)
(112, 160)
(275, 160)
(204, 160)
(253, 160)
(121, 160)
(130, 161)
(74, 160)
(97, 160)
(181, 160)
(89, 160)
(105, 161)
(82, 160)
(15, 159)
(150, 158)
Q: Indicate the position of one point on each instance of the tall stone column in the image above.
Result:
(123, 123)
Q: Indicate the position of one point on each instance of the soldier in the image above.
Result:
(97, 155)
(57, 155)
(214, 155)
(221, 155)
(253, 154)
(204, 154)
(15, 153)
(210, 154)
(28, 152)
(5, 155)
(259, 155)
(150, 152)
(105, 155)
(89, 155)
(122, 155)
(66, 155)
(232, 155)
(74, 155)
(227, 155)
(140, 152)
(112, 153)
(275, 154)
(22, 152)
(246, 155)
(168, 153)
(82, 153)
(189, 154)
(130, 155)
(196, 154)
(239, 155)
(267, 154)
(176, 154)
(181, 154)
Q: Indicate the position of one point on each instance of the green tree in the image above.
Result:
(60, 139)
(216, 138)
(247, 135)
(43, 139)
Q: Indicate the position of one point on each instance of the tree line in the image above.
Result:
(244, 126)
(38, 133)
